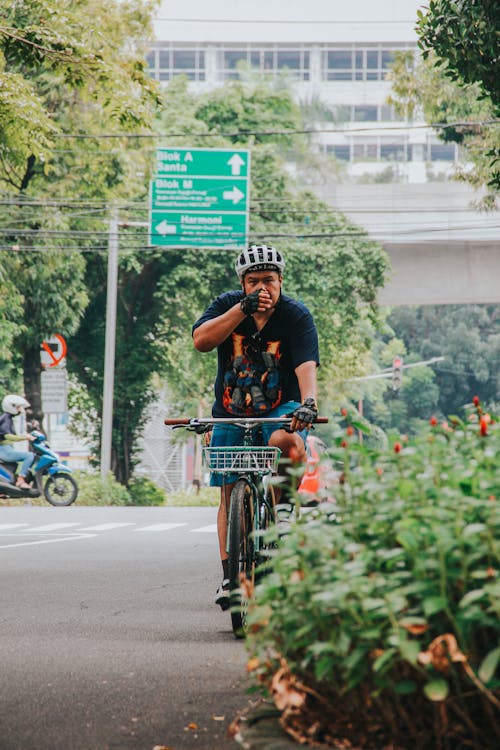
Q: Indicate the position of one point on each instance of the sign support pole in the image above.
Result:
(109, 347)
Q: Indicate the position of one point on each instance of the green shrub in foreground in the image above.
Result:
(379, 621)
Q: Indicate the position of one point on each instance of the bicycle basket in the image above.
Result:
(240, 459)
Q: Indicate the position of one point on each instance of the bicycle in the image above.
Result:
(252, 505)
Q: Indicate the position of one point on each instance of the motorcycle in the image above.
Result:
(47, 476)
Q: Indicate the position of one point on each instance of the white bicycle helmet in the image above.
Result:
(259, 258)
(13, 404)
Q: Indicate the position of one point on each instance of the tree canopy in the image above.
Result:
(331, 265)
(69, 73)
(463, 35)
(424, 87)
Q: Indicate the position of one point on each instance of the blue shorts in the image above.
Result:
(226, 435)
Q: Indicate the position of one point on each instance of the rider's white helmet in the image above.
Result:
(259, 258)
(13, 404)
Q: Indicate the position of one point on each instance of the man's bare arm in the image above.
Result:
(213, 332)
(306, 375)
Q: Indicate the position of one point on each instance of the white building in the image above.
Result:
(335, 55)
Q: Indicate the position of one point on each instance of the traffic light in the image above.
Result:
(397, 373)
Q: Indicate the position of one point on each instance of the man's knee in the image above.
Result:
(291, 444)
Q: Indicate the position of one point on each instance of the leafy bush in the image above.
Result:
(379, 620)
(93, 490)
(207, 496)
(145, 492)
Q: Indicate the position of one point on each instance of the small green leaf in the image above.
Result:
(471, 597)
(410, 650)
(436, 690)
(489, 665)
(383, 659)
(433, 604)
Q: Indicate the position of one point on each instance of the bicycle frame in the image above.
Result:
(252, 465)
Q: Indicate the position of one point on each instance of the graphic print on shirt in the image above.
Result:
(252, 380)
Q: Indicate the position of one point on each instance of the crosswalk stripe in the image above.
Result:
(53, 526)
(205, 529)
(106, 526)
(5, 526)
(160, 527)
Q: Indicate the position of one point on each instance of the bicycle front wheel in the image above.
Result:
(241, 554)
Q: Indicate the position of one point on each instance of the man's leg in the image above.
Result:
(222, 594)
(293, 448)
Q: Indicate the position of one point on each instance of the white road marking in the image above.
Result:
(205, 529)
(106, 526)
(161, 527)
(72, 538)
(53, 526)
(5, 526)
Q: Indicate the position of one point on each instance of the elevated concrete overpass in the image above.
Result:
(442, 249)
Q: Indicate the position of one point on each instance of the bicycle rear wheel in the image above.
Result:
(241, 554)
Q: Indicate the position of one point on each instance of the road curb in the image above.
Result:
(259, 729)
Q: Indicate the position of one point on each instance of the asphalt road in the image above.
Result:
(109, 638)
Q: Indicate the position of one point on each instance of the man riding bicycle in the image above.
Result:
(267, 355)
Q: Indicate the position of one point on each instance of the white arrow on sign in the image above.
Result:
(164, 228)
(236, 163)
(234, 195)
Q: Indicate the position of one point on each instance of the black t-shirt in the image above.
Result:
(256, 369)
(6, 426)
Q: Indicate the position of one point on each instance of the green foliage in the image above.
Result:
(143, 491)
(79, 70)
(387, 605)
(331, 264)
(464, 36)
(427, 88)
(93, 490)
(468, 336)
(207, 496)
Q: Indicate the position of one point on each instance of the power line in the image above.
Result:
(282, 22)
(305, 131)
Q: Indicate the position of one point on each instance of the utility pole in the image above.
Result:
(110, 339)
(109, 346)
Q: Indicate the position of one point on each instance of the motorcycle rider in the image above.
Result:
(12, 405)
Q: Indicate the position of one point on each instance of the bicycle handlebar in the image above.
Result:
(241, 421)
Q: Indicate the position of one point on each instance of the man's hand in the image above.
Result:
(304, 415)
(257, 301)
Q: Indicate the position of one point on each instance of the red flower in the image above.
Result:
(476, 400)
(433, 421)
(343, 412)
(483, 424)
(398, 447)
(344, 443)
(350, 430)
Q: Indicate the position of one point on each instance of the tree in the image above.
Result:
(468, 336)
(426, 88)
(330, 263)
(463, 36)
(78, 69)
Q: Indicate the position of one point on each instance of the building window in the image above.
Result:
(271, 59)
(342, 153)
(356, 62)
(365, 113)
(167, 61)
(442, 152)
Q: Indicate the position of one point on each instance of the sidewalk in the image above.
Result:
(260, 730)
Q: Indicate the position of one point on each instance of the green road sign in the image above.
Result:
(200, 229)
(216, 162)
(200, 193)
(199, 198)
